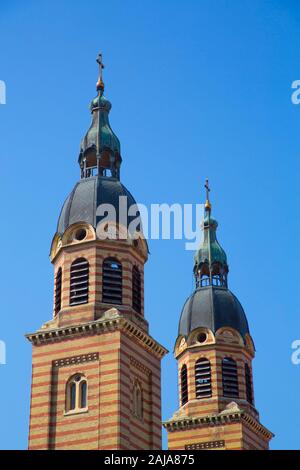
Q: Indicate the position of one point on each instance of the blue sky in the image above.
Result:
(199, 88)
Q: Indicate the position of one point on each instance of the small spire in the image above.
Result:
(207, 202)
(210, 266)
(100, 83)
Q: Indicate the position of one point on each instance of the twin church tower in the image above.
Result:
(96, 370)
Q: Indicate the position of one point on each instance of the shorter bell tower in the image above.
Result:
(214, 350)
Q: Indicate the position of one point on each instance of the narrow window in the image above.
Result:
(230, 378)
(112, 282)
(204, 280)
(79, 282)
(136, 289)
(248, 380)
(184, 385)
(203, 378)
(58, 279)
(76, 393)
(72, 396)
(137, 400)
(83, 389)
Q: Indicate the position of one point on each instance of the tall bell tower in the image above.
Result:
(95, 368)
(214, 351)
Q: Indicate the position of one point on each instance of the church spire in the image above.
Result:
(207, 202)
(210, 266)
(100, 83)
(100, 147)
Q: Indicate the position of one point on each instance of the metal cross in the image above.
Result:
(207, 189)
(101, 65)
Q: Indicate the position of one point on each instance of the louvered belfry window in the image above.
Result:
(248, 380)
(184, 385)
(112, 282)
(79, 282)
(136, 289)
(230, 378)
(203, 378)
(57, 301)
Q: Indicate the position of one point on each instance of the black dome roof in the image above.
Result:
(212, 307)
(88, 194)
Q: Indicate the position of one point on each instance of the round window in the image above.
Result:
(80, 234)
(202, 337)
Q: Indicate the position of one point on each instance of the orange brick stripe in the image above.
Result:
(53, 347)
(93, 292)
(68, 443)
(66, 422)
(56, 384)
(58, 434)
(118, 250)
(57, 403)
(54, 414)
(54, 403)
(202, 432)
(146, 356)
(204, 438)
(94, 347)
(70, 421)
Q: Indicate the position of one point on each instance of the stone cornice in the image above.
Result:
(254, 424)
(116, 322)
(183, 423)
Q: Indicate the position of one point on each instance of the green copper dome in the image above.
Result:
(210, 251)
(100, 135)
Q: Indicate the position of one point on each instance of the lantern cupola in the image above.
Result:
(210, 266)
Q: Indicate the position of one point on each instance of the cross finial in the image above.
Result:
(100, 84)
(207, 202)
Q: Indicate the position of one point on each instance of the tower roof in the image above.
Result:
(88, 194)
(100, 162)
(212, 307)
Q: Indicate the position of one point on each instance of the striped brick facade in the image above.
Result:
(107, 344)
(95, 251)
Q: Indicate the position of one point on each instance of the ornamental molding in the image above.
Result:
(70, 361)
(117, 323)
(206, 445)
(139, 366)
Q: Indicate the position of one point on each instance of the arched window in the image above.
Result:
(76, 393)
(248, 381)
(230, 378)
(184, 385)
(137, 400)
(203, 378)
(57, 301)
(215, 275)
(112, 282)
(79, 282)
(136, 289)
(204, 280)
